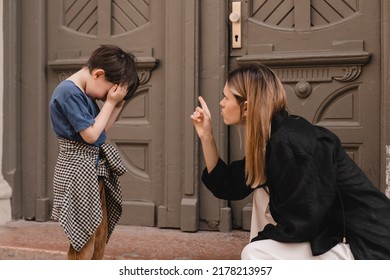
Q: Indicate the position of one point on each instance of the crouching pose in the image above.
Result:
(311, 201)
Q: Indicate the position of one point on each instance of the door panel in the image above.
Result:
(75, 29)
(327, 54)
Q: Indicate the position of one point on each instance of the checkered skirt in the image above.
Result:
(76, 203)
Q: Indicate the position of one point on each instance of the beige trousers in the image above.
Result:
(95, 246)
(273, 250)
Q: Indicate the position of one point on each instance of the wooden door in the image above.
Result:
(48, 40)
(74, 29)
(327, 54)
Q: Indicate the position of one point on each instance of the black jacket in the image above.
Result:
(317, 193)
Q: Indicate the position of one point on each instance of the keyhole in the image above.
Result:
(236, 37)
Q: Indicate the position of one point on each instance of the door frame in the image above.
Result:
(385, 99)
(25, 144)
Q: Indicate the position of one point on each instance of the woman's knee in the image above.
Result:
(260, 250)
(248, 252)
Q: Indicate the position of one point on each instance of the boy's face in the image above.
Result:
(98, 86)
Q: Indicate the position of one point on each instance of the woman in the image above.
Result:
(321, 205)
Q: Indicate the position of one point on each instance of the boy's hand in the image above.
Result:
(116, 93)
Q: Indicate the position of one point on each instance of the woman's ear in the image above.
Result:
(245, 108)
(244, 111)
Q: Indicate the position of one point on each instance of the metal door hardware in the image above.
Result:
(235, 18)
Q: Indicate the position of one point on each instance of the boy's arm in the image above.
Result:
(114, 96)
(114, 114)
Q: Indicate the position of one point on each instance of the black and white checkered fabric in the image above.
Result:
(76, 204)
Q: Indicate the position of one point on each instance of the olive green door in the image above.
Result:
(327, 54)
(48, 40)
(75, 28)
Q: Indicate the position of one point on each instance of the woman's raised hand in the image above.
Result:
(201, 118)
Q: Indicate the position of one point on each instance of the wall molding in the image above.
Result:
(303, 68)
(308, 58)
(66, 67)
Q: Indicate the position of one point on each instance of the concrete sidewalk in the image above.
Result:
(27, 240)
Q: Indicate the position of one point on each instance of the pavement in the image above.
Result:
(30, 240)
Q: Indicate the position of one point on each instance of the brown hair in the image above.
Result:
(118, 65)
(265, 96)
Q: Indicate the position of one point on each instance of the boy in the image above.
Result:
(87, 194)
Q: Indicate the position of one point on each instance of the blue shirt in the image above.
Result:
(71, 111)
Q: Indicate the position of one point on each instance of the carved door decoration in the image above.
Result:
(327, 56)
(75, 29)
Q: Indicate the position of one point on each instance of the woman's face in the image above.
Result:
(230, 109)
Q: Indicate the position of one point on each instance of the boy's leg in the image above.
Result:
(85, 253)
(102, 230)
(94, 248)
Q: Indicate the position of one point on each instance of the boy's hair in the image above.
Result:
(118, 65)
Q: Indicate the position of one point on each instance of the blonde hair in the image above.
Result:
(262, 92)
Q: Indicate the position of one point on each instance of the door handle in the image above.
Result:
(235, 19)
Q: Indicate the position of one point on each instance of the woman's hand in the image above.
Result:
(201, 118)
